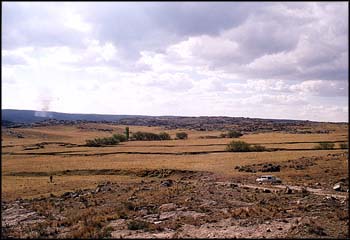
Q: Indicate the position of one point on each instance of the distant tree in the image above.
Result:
(238, 146)
(164, 136)
(120, 137)
(99, 142)
(324, 146)
(181, 135)
(234, 134)
(145, 136)
(127, 133)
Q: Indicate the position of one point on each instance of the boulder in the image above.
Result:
(167, 207)
(338, 187)
(288, 190)
(167, 183)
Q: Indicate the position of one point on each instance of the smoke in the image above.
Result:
(45, 100)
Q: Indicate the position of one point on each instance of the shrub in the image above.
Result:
(238, 146)
(257, 148)
(164, 136)
(324, 146)
(138, 225)
(120, 137)
(147, 136)
(234, 134)
(181, 135)
(99, 142)
(343, 146)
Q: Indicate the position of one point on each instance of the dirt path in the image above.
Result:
(315, 191)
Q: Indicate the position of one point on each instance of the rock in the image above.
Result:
(118, 224)
(66, 195)
(167, 207)
(98, 189)
(338, 187)
(167, 215)
(304, 191)
(167, 183)
(288, 190)
(268, 230)
(174, 214)
(208, 203)
(266, 190)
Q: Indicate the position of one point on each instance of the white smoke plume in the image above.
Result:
(45, 100)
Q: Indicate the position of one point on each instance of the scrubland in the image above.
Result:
(171, 188)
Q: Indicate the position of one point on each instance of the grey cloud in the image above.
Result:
(13, 60)
(35, 24)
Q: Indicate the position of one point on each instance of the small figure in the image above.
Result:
(51, 177)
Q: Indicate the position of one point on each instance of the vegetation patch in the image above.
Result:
(344, 145)
(241, 146)
(147, 136)
(100, 142)
(181, 135)
(324, 146)
(231, 134)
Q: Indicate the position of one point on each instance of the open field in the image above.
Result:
(201, 196)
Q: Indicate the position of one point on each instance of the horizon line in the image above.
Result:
(142, 115)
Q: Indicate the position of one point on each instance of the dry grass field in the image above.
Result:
(26, 168)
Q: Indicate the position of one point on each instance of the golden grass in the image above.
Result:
(31, 187)
(221, 163)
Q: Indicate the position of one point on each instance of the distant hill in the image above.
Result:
(20, 118)
(30, 116)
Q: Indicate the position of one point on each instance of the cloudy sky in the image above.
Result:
(243, 59)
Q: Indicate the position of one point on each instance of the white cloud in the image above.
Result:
(321, 88)
(247, 59)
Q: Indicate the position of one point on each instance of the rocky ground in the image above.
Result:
(180, 205)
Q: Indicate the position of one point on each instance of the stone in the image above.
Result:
(167, 183)
(167, 207)
(288, 190)
(266, 190)
(338, 187)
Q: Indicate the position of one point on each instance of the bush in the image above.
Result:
(99, 142)
(181, 135)
(258, 148)
(146, 136)
(343, 146)
(324, 146)
(164, 136)
(138, 225)
(234, 134)
(120, 137)
(238, 146)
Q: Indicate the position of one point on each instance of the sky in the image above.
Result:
(241, 59)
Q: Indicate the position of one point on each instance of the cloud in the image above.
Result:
(322, 88)
(225, 58)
